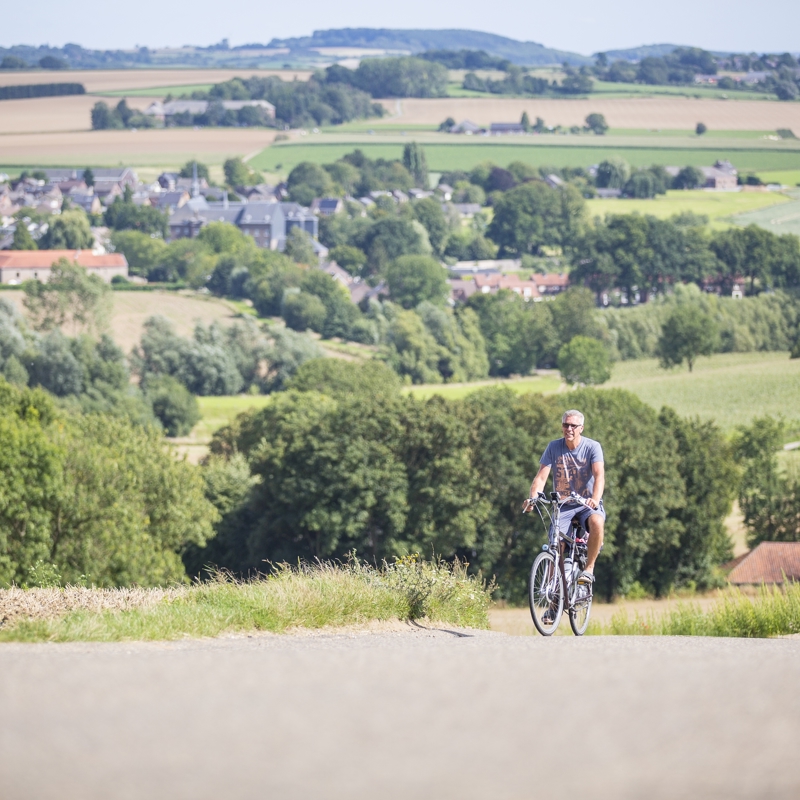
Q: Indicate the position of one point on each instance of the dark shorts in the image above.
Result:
(581, 513)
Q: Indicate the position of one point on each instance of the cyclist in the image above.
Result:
(577, 464)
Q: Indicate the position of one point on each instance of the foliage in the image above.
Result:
(700, 128)
(22, 238)
(584, 360)
(412, 279)
(173, 405)
(70, 297)
(303, 311)
(768, 497)
(415, 162)
(300, 247)
(612, 173)
(106, 118)
(596, 123)
(308, 181)
(338, 378)
(686, 334)
(533, 215)
(237, 173)
(94, 496)
(70, 230)
(188, 170)
(123, 214)
(393, 77)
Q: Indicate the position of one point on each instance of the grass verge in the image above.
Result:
(773, 612)
(306, 596)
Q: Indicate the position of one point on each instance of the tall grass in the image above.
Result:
(307, 596)
(773, 612)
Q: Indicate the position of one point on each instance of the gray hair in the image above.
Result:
(573, 412)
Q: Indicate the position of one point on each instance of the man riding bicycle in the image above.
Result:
(577, 464)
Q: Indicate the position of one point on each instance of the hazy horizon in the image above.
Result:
(581, 27)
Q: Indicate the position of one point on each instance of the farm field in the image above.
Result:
(778, 219)
(628, 112)
(729, 388)
(114, 80)
(719, 207)
(217, 412)
(160, 148)
(544, 384)
(443, 153)
(132, 309)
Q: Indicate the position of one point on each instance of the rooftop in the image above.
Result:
(768, 563)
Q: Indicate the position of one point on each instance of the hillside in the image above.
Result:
(419, 40)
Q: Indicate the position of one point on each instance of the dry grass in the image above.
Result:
(97, 80)
(303, 597)
(17, 604)
(131, 309)
(163, 147)
(645, 112)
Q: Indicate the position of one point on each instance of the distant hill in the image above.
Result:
(648, 51)
(417, 41)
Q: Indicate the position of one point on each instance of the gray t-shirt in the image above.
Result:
(572, 469)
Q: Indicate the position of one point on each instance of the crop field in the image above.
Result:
(719, 207)
(628, 112)
(131, 309)
(446, 152)
(730, 388)
(778, 219)
(98, 81)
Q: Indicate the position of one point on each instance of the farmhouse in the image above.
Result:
(502, 128)
(17, 266)
(491, 284)
(769, 563)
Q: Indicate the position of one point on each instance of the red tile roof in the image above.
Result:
(42, 259)
(768, 563)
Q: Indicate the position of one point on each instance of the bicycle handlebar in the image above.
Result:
(541, 497)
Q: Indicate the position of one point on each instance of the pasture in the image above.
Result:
(778, 219)
(446, 152)
(539, 384)
(132, 309)
(719, 207)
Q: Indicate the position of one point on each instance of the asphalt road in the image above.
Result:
(415, 714)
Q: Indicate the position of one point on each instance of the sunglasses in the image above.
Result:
(571, 425)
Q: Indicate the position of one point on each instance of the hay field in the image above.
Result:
(131, 309)
(638, 112)
(717, 206)
(783, 219)
(110, 80)
(160, 147)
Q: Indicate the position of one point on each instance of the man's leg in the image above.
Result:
(596, 523)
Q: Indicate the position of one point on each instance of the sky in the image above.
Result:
(582, 26)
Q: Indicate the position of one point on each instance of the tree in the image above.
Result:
(237, 173)
(173, 405)
(104, 118)
(597, 124)
(22, 238)
(302, 311)
(415, 162)
(688, 178)
(70, 230)
(533, 215)
(612, 173)
(412, 279)
(429, 212)
(584, 361)
(308, 181)
(188, 169)
(71, 297)
(336, 378)
(700, 128)
(300, 247)
(123, 214)
(525, 121)
(688, 332)
(389, 238)
(348, 257)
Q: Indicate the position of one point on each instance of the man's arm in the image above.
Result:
(538, 484)
(599, 472)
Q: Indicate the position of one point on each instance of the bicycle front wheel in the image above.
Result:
(581, 609)
(546, 594)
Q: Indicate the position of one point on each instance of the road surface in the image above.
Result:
(402, 714)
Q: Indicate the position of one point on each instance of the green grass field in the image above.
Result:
(781, 219)
(557, 151)
(456, 391)
(730, 388)
(719, 207)
(607, 89)
(790, 177)
(158, 91)
(217, 412)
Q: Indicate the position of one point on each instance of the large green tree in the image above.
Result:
(412, 279)
(687, 333)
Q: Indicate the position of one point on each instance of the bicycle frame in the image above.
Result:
(559, 544)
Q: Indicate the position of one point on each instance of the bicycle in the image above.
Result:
(558, 566)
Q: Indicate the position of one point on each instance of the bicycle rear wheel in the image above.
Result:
(581, 610)
(546, 594)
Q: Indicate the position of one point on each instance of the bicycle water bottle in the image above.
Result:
(568, 567)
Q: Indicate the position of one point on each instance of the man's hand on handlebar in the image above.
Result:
(529, 504)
